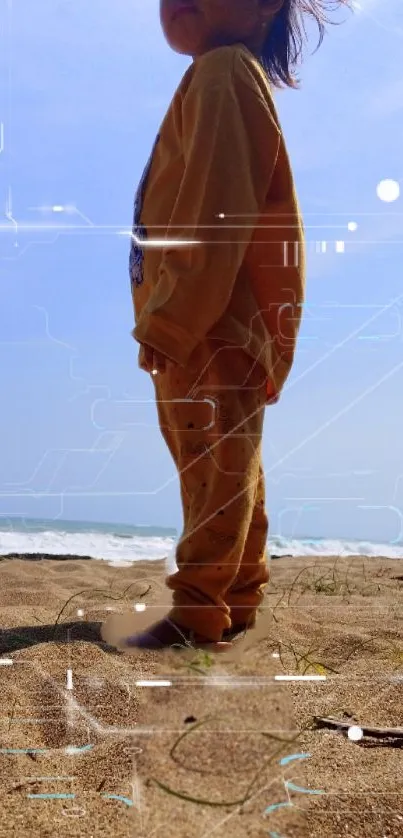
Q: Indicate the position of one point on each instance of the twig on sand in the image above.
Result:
(102, 593)
(248, 794)
(376, 732)
(12, 714)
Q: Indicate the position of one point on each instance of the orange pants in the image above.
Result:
(211, 417)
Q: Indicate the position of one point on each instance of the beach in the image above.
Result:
(222, 745)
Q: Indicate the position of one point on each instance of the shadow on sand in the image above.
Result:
(22, 637)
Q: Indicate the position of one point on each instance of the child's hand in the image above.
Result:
(153, 360)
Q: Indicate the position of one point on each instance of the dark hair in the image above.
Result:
(284, 43)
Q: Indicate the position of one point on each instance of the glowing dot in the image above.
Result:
(352, 226)
(221, 215)
(140, 606)
(275, 655)
(355, 733)
(80, 612)
(154, 372)
(57, 208)
(388, 190)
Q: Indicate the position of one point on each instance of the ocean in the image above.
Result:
(124, 543)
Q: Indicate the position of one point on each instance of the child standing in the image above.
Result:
(218, 301)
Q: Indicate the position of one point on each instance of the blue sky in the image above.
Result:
(83, 89)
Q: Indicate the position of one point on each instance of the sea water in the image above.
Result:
(121, 543)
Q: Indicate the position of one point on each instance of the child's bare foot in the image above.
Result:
(166, 633)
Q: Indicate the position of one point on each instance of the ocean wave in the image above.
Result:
(115, 548)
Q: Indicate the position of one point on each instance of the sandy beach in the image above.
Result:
(88, 750)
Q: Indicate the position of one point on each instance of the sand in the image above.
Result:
(75, 721)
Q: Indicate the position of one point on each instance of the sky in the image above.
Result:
(83, 90)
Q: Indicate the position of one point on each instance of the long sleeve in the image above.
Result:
(230, 147)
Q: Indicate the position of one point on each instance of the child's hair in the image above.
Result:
(284, 43)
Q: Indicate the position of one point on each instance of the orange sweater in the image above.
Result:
(239, 277)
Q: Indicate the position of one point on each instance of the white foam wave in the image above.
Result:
(116, 549)
(333, 547)
(97, 545)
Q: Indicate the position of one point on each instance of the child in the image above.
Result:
(218, 301)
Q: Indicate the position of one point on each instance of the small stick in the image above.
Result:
(378, 732)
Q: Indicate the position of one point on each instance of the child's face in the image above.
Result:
(207, 24)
